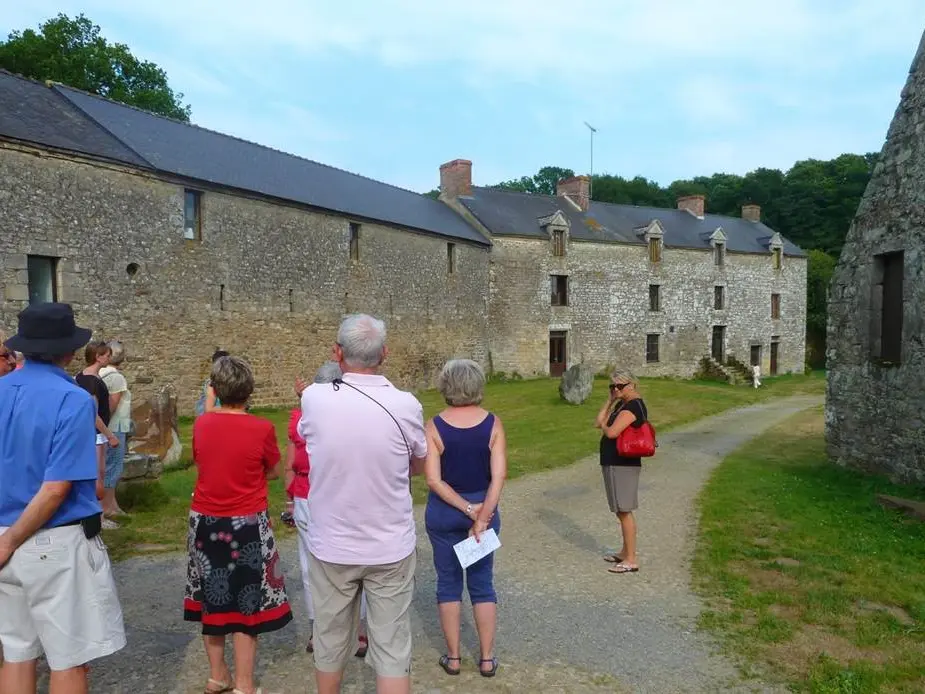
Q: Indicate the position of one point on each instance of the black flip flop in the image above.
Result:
(613, 559)
(444, 662)
(494, 667)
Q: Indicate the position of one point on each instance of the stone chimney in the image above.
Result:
(577, 189)
(456, 178)
(693, 204)
(751, 212)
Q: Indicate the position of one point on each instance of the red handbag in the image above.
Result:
(636, 442)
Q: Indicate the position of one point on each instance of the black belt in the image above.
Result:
(73, 522)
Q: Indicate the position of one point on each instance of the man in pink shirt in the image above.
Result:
(366, 439)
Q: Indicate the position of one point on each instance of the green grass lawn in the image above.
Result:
(543, 432)
(805, 575)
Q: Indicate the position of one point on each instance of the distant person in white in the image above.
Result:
(756, 375)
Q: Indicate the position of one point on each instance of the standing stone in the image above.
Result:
(156, 428)
(575, 386)
(875, 396)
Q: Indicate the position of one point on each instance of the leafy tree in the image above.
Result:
(73, 52)
(543, 183)
(819, 270)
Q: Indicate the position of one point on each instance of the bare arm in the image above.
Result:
(419, 465)
(34, 517)
(210, 398)
(290, 460)
(498, 463)
(623, 420)
(432, 471)
(601, 421)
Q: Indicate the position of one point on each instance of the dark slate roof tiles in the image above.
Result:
(506, 213)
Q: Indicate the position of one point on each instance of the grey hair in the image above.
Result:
(461, 382)
(233, 380)
(117, 350)
(625, 377)
(362, 339)
(328, 372)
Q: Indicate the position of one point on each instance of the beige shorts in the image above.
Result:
(621, 484)
(57, 596)
(336, 590)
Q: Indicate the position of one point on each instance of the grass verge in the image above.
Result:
(805, 575)
(543, 432)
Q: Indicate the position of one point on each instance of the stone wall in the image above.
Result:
(608, 315)
(874, 410)
(269, 282)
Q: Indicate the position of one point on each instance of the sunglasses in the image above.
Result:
(618, 386)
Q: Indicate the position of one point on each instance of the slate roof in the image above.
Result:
(508, 213)
(69, 119)
(30, 112)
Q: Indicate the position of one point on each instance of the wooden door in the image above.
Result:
(718, 348)
(775, 354)
(558, 357)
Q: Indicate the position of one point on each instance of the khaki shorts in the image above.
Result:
(57, 596)
(336, 590)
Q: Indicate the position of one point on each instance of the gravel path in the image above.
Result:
(565, 623)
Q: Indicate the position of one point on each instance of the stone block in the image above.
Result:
(576, 384)
(156, 428)
(140, 467)
(16, 292)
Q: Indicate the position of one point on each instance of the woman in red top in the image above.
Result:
(234, 579)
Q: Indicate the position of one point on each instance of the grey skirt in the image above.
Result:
(621, 483)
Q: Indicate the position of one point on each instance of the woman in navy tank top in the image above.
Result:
(466, 467)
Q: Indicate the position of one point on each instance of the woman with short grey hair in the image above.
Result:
(466, 467)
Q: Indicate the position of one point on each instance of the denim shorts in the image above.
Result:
(115, 461)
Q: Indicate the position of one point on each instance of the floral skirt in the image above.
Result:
(234, 581)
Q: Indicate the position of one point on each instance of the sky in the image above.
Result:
(393, 88)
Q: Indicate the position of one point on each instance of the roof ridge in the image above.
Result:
(230, 137)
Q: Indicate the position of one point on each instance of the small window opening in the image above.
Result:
(42, 278)
(558, 243)
(655, 297)
(655, 250)
(887, 308)
(719, 254)
(354, 241)
(719, 297)
(559, 290)
(450, 258)
(192, 215)
(652, 348)
(221, 298)
(775, 306)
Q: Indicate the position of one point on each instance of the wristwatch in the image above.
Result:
(469, 509)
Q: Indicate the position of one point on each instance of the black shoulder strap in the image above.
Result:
(338, 382)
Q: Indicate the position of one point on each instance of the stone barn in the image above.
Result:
(875, 406)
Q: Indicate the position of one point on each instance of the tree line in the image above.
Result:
(812, 204)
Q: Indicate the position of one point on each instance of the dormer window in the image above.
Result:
(719, 254)
(655, 250)
(558, 243)
(776, 246)
(778, 258)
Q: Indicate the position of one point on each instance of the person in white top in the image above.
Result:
(120, 424)
(365, 438)
(756, 375)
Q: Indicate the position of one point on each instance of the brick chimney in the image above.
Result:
(456, 178)
(751, 212)
(577, 189)
(693, 204)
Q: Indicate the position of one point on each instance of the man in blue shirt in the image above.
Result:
(57, 594)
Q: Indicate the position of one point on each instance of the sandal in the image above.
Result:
(364, 646)
(445, 664)
(623, 568)
(310, 648)
(613, 558)
(220, 687)
(494, 667)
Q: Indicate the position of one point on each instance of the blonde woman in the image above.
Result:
(624, 408)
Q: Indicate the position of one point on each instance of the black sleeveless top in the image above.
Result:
(609, 446)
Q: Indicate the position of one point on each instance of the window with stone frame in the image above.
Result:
(558, 290)
(652, 344)
(719, 254)
(887, 308)
(42, 274)
(354, 241)
(655, 250)
(192, 215)
(655, 297)
(450, 258)
(719, 297)
(558, 243)
(775, 306)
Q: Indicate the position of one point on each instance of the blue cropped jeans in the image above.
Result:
(447, 526)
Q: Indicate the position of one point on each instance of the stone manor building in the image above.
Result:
(875, 404)
(180, 240)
